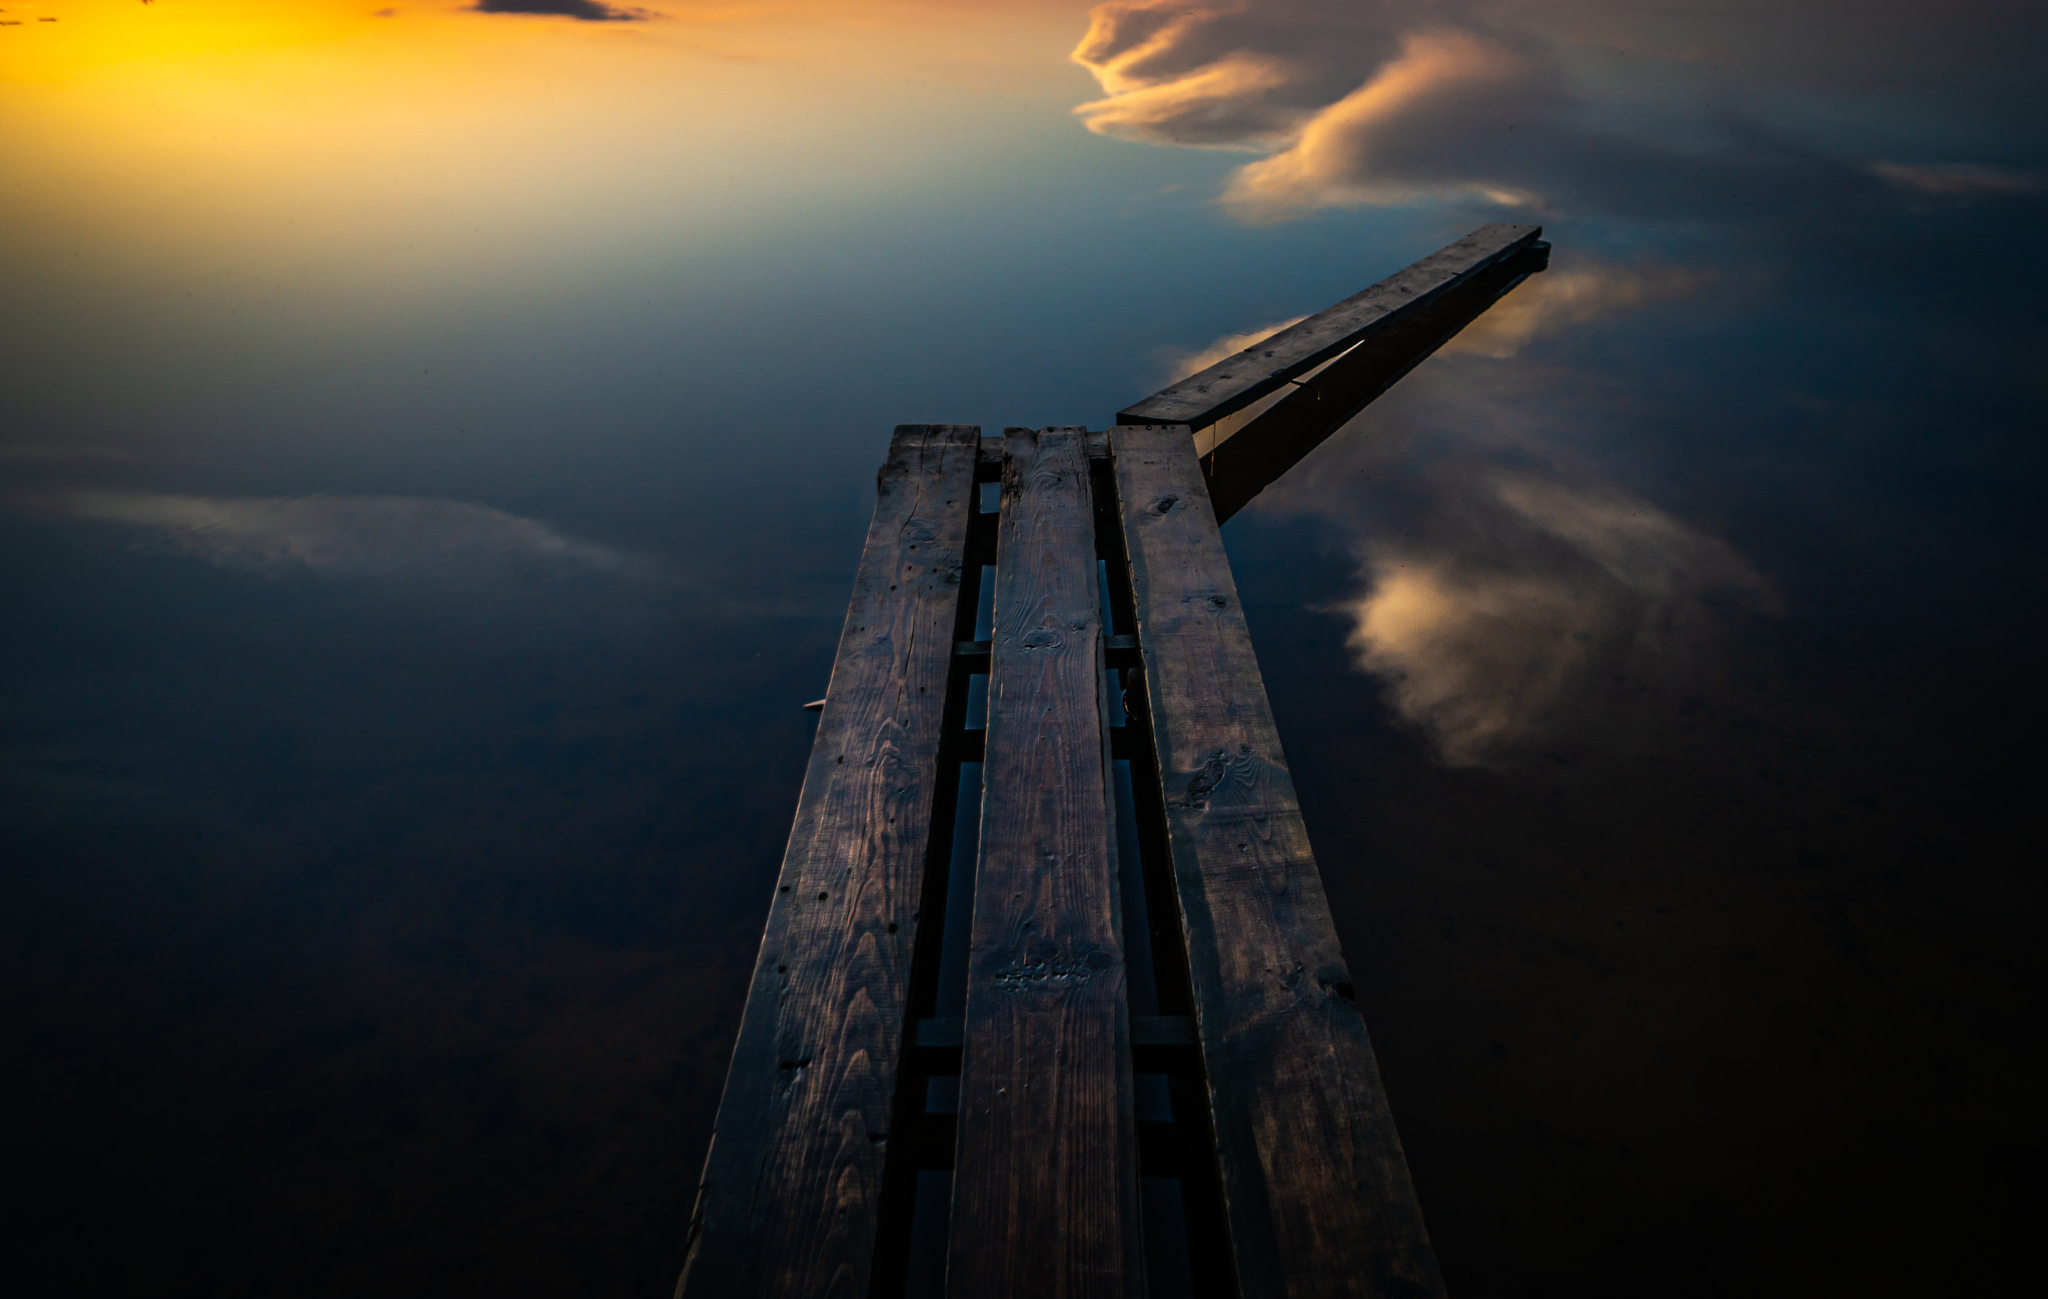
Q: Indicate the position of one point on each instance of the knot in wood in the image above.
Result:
(1044, 638)
(1216, 768)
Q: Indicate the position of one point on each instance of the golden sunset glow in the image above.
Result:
(240, 129)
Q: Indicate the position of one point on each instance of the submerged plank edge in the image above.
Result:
(1239, 380)
(1317, 1189)
(1045, 1200)
(788, 1198)
(1259, 454)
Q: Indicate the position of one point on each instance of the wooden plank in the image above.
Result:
(1146, 1030)
(1237, 381)
(787, 1204)
(1317, 1189)
(1253, 458)
(1045, 1199)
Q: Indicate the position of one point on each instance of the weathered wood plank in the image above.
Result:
(1045, 1200)
(1254, 457)
(1146, 1030)
(1237, 381)
(787, 1205)
(1318, 1192)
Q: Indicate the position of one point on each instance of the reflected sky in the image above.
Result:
(435, 442)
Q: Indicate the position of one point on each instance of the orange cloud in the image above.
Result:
(1201, 108)
(1434, 86)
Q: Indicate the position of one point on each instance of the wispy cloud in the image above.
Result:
(1203, 108)
(1555, 301)
(1579, 106)
(1505, 641)
(1375, 145)
(419, 539)
(1959, 180)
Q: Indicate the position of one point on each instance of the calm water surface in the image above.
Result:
(434, 449)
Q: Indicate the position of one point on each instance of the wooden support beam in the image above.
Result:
(1255, 456)
(1236, 382)
(788, 1200)
(1045, 1194)
(1317, 1189)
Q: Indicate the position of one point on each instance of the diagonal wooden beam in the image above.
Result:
(788, 1202)
(1254, 457)
(1236, 382)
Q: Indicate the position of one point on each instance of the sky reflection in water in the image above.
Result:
(435, 448)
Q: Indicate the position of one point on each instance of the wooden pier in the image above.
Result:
(1049, 1002)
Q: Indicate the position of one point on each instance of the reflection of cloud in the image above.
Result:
(1542, 305)
(420, 538)
(1490, 644)
(1182, 363)
(1206, 72)
(1366, 147)
(589, 11)
(1475, 661)
(1364, 103)
(1960, 180)
(1557, 299)
(1565, 108)
(1202, 108)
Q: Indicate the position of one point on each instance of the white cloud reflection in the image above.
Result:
(1513, 595)
(410, 538)
(1557, 594)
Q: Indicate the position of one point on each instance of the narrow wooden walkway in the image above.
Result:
(1049, 1001)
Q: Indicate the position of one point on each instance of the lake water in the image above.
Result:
(435, 445)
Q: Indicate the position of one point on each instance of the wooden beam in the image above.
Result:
(1236, 382)
(1253, 458)
(1317, 1189)
(787, 1204)
(1045, 1193)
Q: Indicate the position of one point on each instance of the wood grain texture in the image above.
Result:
(1253, 458)
(787, 1205)
(1237, 381)
(1319, 1198)
(1045, 1193)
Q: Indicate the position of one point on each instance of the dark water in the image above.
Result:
(394, 767)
